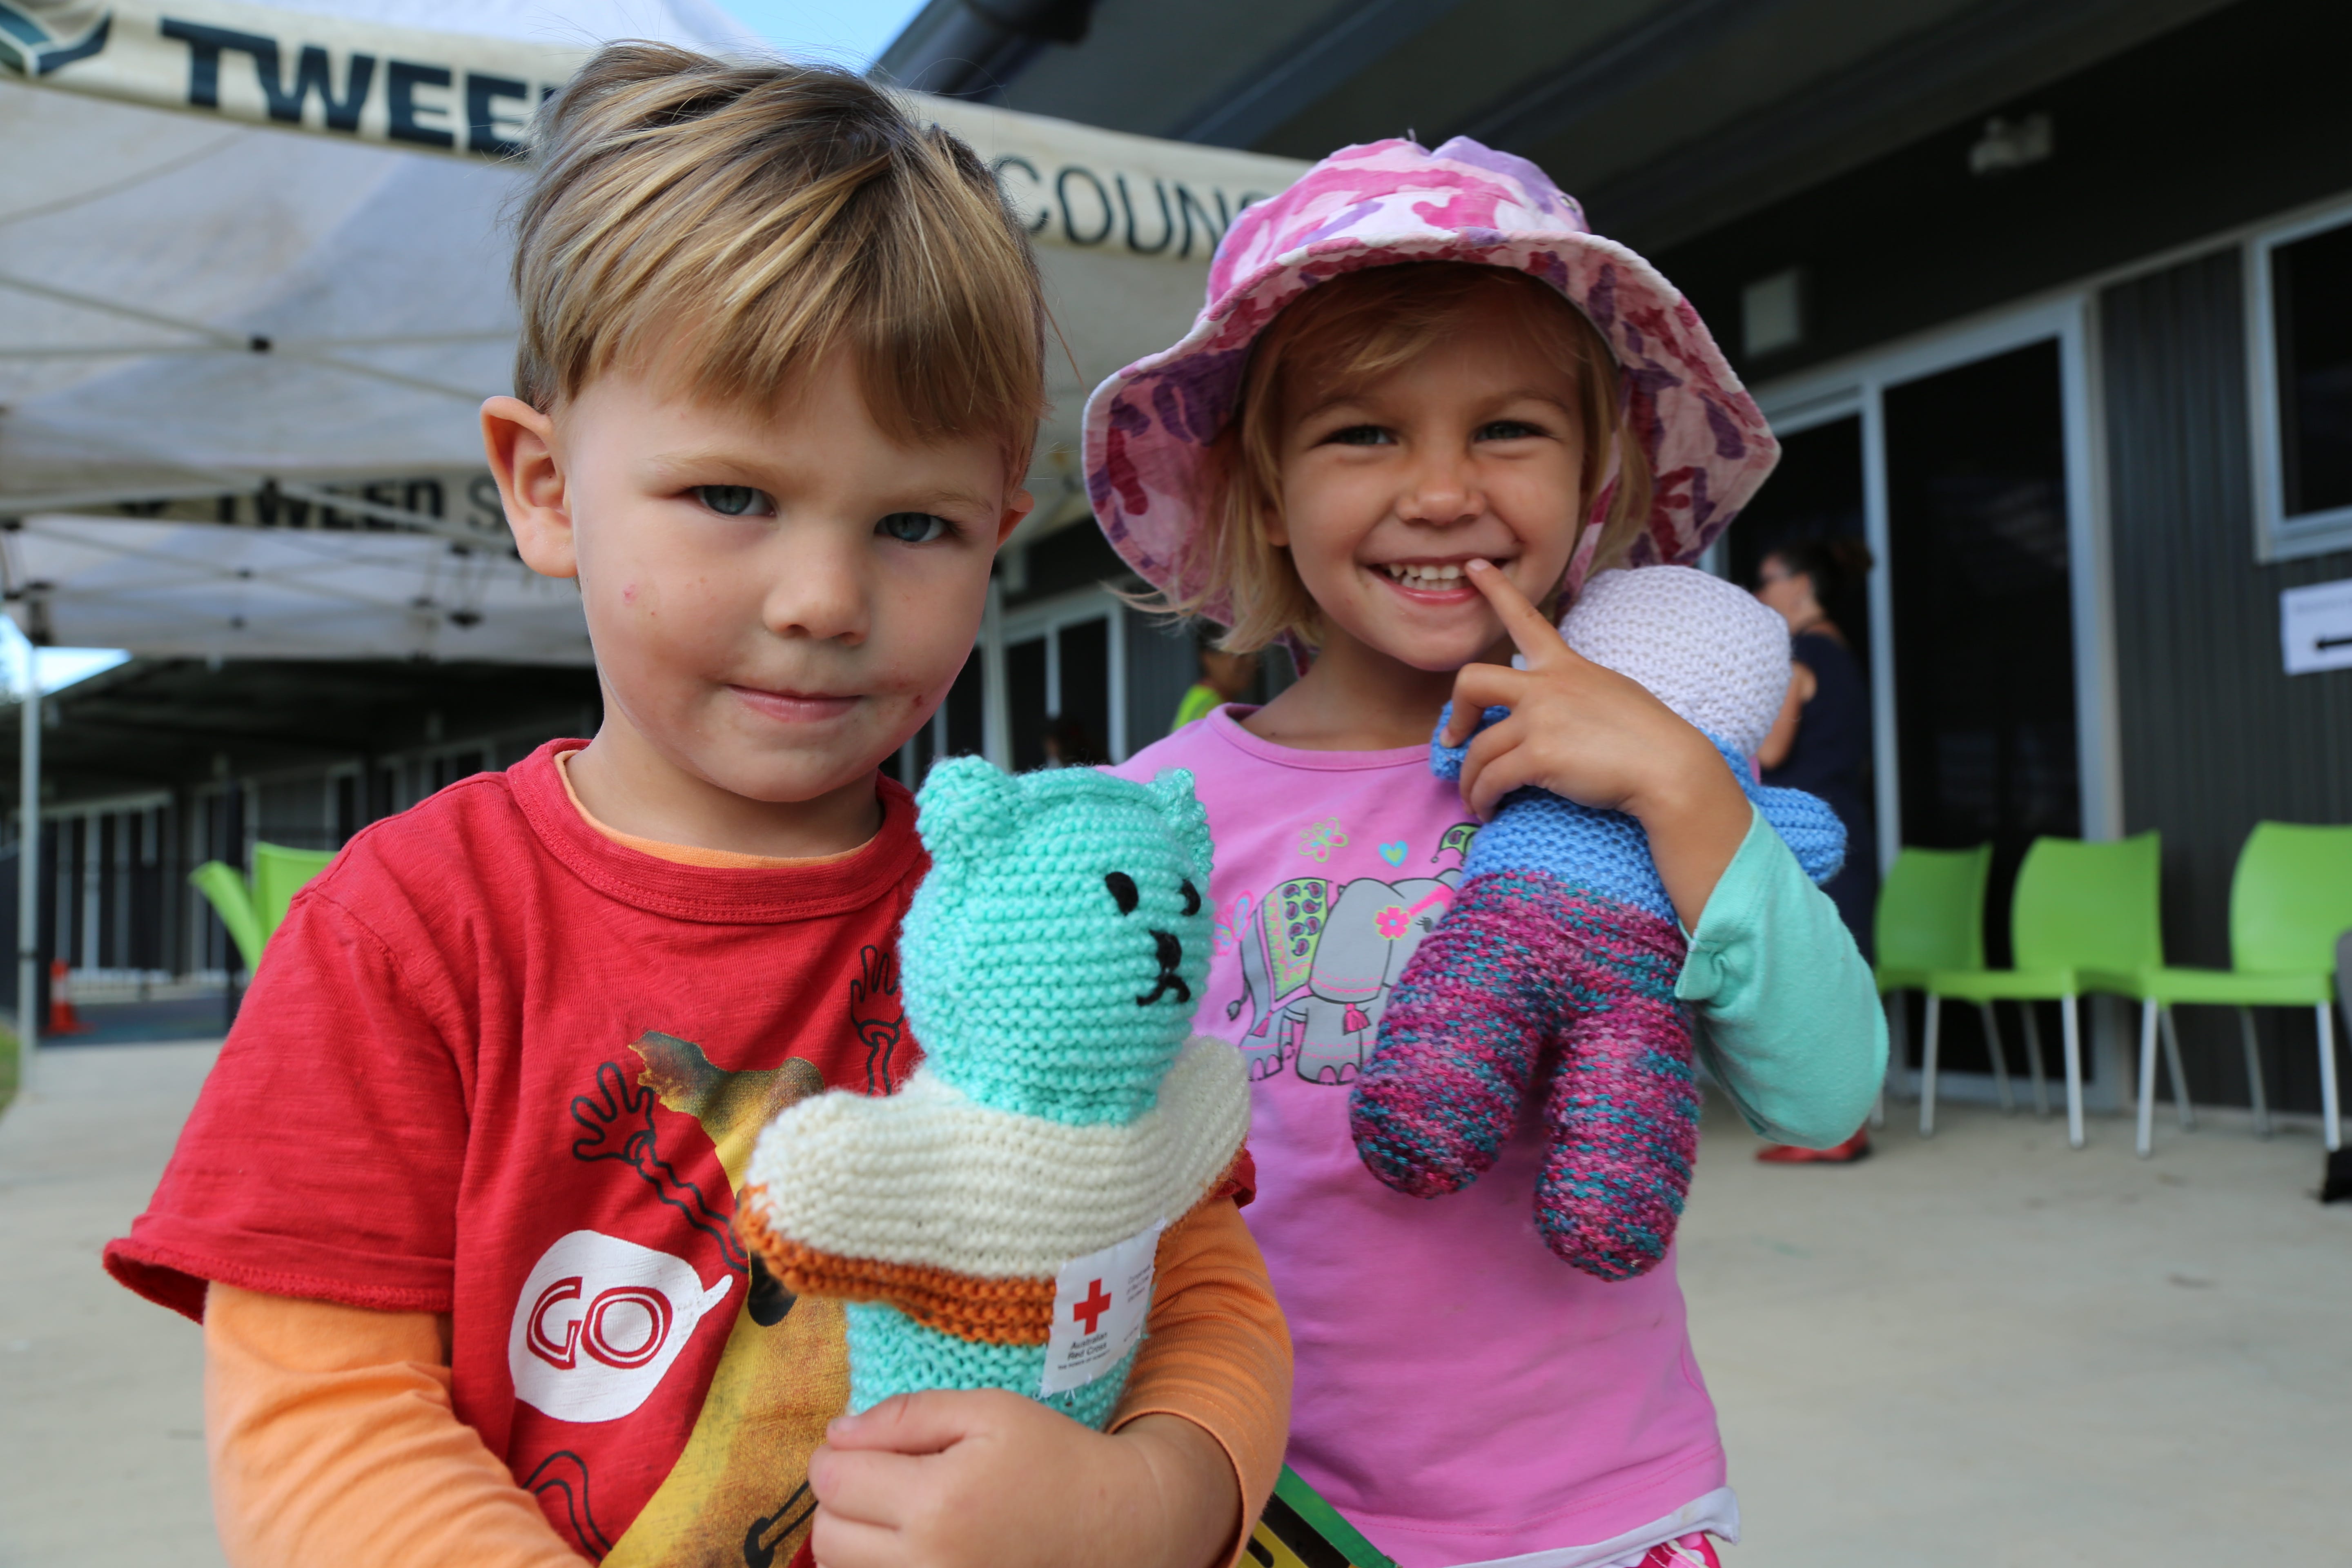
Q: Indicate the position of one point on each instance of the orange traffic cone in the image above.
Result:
(63, 1018)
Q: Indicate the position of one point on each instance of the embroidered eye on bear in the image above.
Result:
(1171, 949)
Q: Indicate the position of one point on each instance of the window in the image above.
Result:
(2300, 330)
(1065, 680)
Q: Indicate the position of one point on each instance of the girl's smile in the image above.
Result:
(1443, 581)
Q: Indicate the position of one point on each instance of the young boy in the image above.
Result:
(455, 1207)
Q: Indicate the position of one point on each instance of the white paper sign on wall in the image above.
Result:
(2316, 626)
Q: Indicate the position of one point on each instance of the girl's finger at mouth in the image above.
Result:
(1535, 637)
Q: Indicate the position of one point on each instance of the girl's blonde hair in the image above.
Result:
(1349, 330)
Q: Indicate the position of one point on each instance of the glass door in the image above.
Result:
(1980, 572)
(1968, 459)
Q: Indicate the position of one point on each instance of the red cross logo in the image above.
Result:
(1091, 1309)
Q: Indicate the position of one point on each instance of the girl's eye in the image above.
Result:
(1359, 436)
(1507, 430)
(912, 527)
(735, 501)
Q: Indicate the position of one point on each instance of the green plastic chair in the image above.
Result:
(253, 912)
(2084, 919)
(1931, 919)
(2290, 900)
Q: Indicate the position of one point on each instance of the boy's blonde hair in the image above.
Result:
(752, 217)
(1349, 330)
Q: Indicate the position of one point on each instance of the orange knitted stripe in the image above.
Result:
(988, 1311)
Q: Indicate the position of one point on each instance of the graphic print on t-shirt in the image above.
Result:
(605, 1319)
(601, 1320)
(1318, 955)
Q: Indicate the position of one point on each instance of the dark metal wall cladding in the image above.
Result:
(2216, 736)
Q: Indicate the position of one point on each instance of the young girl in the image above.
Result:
(1423, 403)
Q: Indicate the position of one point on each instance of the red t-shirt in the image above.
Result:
(432, 1100)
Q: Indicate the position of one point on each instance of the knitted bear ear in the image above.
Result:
(964, 805)
(1187, 817)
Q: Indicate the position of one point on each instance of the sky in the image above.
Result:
(849, 31)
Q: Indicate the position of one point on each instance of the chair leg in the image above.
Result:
(2334, 1133)
(1898, 1033)
(1927, 1066)
(2147, 1139)
(2180, 1100)
(2254, 1072)
(2071, 1013)
(2033, 1058)
(1999, 1059)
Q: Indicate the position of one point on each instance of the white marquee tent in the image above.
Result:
(253, 287)
(205, 320)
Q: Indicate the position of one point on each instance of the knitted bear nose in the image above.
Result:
(1172, 953)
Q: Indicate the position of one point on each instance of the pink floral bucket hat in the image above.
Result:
(1149, 428)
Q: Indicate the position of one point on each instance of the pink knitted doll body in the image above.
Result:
(1557, 962)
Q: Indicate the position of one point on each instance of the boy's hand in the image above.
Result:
(948, 1478)
(1590, 735)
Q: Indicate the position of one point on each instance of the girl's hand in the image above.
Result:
(1590, 735)
(948, 1478)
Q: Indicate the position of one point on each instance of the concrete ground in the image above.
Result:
(1986, 1349)
(1980, 1351)
(101, 1396)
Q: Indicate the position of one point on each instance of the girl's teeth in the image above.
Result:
(1424, 576)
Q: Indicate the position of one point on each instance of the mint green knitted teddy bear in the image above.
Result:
(1063, 1113)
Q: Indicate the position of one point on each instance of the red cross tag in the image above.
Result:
(1091, 1309)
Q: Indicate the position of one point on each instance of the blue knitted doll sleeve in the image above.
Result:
(1789, 1022)
(1445, 761)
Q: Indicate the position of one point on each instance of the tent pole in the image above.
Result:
(28, 871)
(995, 710)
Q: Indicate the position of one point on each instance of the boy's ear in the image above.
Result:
(1022, 504)
(964, 805)
(519, 442)
(1187, 817)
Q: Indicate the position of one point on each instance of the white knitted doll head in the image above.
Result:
(1706, 650)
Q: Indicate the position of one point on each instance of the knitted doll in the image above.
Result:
(1561, 951)
(992, 1224)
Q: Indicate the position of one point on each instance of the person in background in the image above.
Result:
(1224, 678)
(1822, 743)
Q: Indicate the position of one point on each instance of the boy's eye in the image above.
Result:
(735, 501)
(1191, 896)
(1507, 430)
(1361, 435)
(1122, 891)
(912, 527)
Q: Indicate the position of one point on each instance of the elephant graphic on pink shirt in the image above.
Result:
(1317, 960)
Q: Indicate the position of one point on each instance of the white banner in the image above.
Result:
(471, 96)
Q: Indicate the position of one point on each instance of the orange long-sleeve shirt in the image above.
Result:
(329, 1425)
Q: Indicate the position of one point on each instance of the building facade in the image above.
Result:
(2050, 304)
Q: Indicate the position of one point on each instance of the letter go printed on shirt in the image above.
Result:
(598, 1324)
